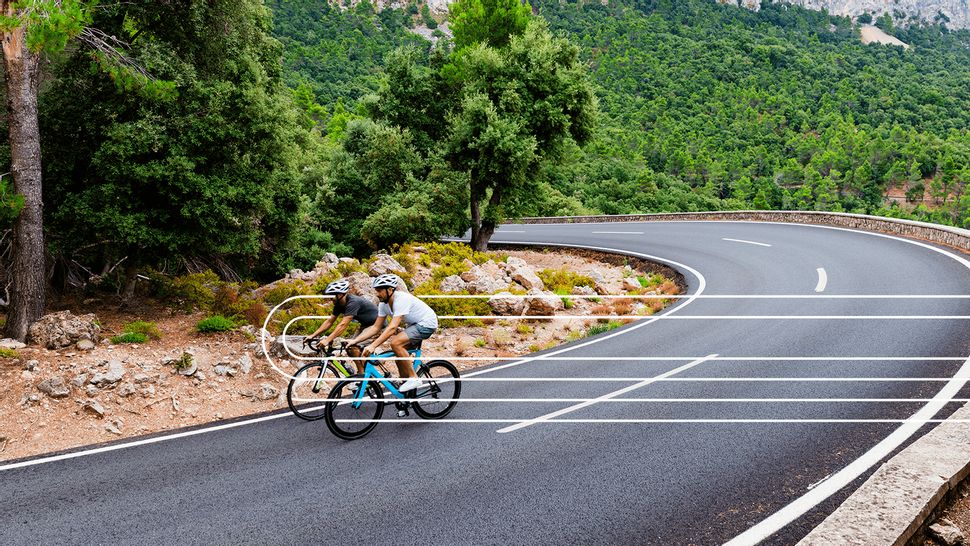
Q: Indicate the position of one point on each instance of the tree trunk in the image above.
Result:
(476, 220)
(28, 274)
(483, 229)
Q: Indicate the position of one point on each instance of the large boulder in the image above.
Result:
(360, 285)
(452, 283)
(542, 304)
(384, 264)
(487, 285)
(504, 303)
(55, 387)
(526, 276)
(63, 329)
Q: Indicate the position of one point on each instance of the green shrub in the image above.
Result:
(523, 328)
(130, 337)
(454, 306)
(650, 281)
(190, 292)
(148, 329)
(562, 281)
(479, 343)
(184, 362)
(600, 328)
(7, 353)
(215, 323)
(285, 290)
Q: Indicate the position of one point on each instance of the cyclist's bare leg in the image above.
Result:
(399, 344)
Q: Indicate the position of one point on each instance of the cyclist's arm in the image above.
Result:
(323, 327)
(368, 332)
(341, 328)
(388, 331)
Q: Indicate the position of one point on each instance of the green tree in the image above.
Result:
(490, 22)
(519, 107)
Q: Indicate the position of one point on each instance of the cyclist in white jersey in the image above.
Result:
(419, 322)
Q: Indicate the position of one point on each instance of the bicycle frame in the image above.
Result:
(371, 373)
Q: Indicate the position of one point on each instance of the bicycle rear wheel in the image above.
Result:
(436, 398)
(308, 389)
(341, 415)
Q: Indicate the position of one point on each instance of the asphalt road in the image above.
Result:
(600, 481)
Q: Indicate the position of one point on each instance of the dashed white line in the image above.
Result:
(613, 394)
(743, 241)
(823, 279)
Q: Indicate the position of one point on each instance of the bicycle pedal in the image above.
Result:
(402, 413)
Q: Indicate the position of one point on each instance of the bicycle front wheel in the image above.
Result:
(307, 392)
(347, 421)
(437, 397)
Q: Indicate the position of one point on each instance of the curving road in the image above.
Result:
(592, 478)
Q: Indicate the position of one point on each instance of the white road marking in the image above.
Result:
(613, 394)
(822, 280)
(743, 241)
(816, 484)
(618, 232)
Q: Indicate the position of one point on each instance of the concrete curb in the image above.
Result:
(935, 233)
(895, 502)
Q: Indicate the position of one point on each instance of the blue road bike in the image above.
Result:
(356, 404)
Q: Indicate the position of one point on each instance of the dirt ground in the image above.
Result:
(152, 396)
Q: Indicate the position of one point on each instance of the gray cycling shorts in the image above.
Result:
(416, 332)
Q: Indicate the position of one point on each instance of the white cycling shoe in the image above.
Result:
(409, 385)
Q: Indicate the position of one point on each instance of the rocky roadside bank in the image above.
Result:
(72, 386)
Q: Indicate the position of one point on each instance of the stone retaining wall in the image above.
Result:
(945, 235)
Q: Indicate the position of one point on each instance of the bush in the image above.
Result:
(601, 328)
(454, 306)
(216, 323)
(148, 329)
(562, 281)
(130, 337)
(189, 292)
(7, 353)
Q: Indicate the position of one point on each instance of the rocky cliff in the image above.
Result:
(953, 13)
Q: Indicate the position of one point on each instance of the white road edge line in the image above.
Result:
(837, 481)
(743, 241)
(702, 283)
(823, 279)
(613, 394)
(615, 232)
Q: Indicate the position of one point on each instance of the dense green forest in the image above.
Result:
(712, 107)
(267, 134)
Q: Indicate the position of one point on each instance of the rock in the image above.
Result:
(284, 346)
(91, 391)
(526, 276)
(540, 304)
(631, 283)
(419, 250)
(32, 365)
(116, 370)
(63, 329)
(94, 407)
(331, 259)
(13, 344)
(599, 281)
(583, 290)
(947, 533)
(220, 370)
(245, 363)
(360, 285)
(85, 345)
(55, 387)
(453, 283)
(267, 392)
(148, 391)
(80, 380)
(114, 426)
(486, 285)
(126, 390)
(348, 261)
(505, 304)
(143, 378)
(26, 375)
(515, 263)
(492, 270)
(384, 264)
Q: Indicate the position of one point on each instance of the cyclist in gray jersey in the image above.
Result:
(349, 306)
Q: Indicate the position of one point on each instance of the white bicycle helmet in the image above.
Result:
(385, 281)
(337, 287)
